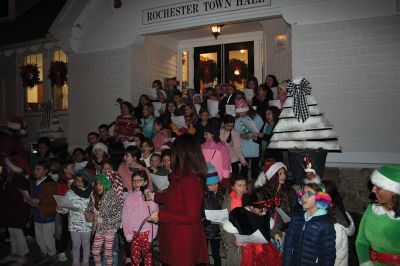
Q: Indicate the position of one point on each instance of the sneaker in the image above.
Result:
(20, 260)
(8, 259)
(62, 257)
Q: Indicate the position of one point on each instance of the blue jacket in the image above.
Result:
(310, 242)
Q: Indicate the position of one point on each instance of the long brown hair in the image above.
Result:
(396, 205)
(186, 156)
(271, 187)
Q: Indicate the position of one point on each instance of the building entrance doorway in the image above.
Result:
(231, 63)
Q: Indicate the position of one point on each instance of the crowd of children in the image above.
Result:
(95, 198)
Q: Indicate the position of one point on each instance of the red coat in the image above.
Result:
(14, 212)
(182, 240)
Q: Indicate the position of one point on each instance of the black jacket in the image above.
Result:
(212, 201)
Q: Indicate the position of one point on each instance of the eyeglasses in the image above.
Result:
(308, 194)
(137, 180)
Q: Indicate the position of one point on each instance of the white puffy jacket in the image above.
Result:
(342, 242)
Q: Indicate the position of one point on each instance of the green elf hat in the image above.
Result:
(103, 179)
(387, 177)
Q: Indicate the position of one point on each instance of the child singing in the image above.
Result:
(134, 214)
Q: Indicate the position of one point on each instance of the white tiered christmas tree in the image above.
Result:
(315, 133)
(50, 126)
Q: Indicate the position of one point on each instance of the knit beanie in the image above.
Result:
(103, 179)
(212, 175)
(100, 146)
(387, 177)
(241, 106)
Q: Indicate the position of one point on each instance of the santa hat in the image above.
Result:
(270, 168)
(163, 93)
(166, 146)
(100, 146)
(387, 177)
(212, 175)
(311, 175)
(241, 106)
(17, 123)
(18, 164)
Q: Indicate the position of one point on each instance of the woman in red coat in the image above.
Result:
(182, 240)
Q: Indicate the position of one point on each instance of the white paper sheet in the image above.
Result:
(65, 203)
(179, 121)
(251, 126)
(152, 93)
(128, 143)
(24, 193)
(230, 110)
(249, 94)
(79, 166)
(255, 238)
(158, 107)
(212, 107)
(217, 216)
(283, 215)
(276, 103)
(161, 182)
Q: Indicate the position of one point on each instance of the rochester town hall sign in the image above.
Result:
(197, 8)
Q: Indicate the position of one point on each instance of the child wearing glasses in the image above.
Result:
(134, 214)
(310, 239)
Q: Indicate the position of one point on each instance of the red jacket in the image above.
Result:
(182, 240)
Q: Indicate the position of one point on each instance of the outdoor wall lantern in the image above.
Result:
(216, 30)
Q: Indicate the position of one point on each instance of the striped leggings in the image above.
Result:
(107, 238)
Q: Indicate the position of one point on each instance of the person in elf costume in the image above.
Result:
(378, 239)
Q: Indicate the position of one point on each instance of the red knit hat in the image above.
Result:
(18, 164)
(241, 106)
(17, 123)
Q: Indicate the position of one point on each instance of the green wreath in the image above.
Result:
(207, 71)
(58, 73)
(29, 75)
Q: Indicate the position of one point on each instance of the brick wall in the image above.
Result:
(278, 61)
(354, 68)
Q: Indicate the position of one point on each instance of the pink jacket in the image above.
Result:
(234, 147)
(217, 154)
(126, 176)
(160, 138)
(134, 212)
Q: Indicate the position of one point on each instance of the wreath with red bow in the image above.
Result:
(237, 70)
(58, 73)
(207, 71)
(30, 75)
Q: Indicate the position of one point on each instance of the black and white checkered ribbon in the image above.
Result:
(48, 107)
(298, 92)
